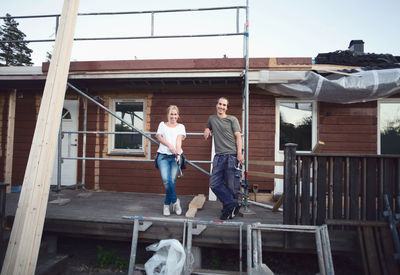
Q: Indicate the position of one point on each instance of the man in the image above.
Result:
(226, 176)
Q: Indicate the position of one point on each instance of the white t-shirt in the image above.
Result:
(170, 134)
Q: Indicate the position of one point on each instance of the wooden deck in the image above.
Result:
(99, 215)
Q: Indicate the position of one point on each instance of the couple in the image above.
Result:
(225, 178)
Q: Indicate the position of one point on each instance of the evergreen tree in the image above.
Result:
(13, 53)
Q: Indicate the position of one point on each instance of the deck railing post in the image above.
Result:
(289, 181)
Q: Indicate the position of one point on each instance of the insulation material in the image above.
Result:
(339, 87)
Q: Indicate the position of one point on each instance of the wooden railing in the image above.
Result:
(332, 186)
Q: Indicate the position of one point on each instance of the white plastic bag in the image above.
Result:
(168, 259)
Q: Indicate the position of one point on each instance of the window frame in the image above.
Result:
(112, 122)
(378, 117)
(314, 126)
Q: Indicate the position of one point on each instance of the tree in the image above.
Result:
(13, 53)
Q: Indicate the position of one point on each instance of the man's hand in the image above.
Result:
(207, 133)
(240, 158)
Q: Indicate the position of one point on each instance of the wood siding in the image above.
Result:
(25, 122)
(348, 128)
(3, 132)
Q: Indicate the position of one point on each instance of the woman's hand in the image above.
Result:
(178, 158)
(172, 149)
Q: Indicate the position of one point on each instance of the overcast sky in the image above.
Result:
(284, 28)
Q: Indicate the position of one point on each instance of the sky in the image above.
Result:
(284, 28)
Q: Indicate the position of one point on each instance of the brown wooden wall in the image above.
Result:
(195, 108)
(26, 111)
(348, 128)
(3, 131)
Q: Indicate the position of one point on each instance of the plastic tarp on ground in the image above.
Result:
(338, 87)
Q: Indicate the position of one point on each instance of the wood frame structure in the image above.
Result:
(26, 234)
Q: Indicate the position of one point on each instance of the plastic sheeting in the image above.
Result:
(342, 88)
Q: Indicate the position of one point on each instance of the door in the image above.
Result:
(69, 146)
(296, 122)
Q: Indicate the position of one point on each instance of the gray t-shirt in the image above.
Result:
(223, 131)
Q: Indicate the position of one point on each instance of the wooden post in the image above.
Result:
(10, 139)
(23, 247)
(289, 180)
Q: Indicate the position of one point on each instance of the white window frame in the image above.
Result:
(314, 127)
(112, 120)
(378, 117)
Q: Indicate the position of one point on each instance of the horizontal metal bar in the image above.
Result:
(120, 133)
(129, 12)
(129, 37)
(137, 160)
(175, 220)
(346, 155)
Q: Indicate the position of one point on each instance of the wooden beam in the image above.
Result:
(23, 247)
(196, 203)
(10, 139)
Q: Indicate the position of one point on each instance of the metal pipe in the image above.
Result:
(249, 250)
(84, 141)
(135, 235)
(129, 12)
(319, 252)
(188, 248)
(59, 153)
(129, 37)
(246, 96)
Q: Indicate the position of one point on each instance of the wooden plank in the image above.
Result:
(305, 191)
(371, 252)
(354, 189)
(371, 206)
(266, 162)
(337, 187)
(23, 248)
(10, 139)
(265, 175)
(321, 191)
(196, 203)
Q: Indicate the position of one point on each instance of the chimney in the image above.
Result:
(357, 47)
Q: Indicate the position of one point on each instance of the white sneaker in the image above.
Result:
(177, 207)
(166, 210)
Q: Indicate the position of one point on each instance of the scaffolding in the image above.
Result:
(152, 13)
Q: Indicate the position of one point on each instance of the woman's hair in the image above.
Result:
(170, 108)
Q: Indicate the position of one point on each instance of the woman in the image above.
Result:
(170, 135)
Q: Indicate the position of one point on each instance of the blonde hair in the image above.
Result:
(170, 108)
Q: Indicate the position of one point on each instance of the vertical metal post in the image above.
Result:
(237, 20)
(135, 234)
(152, 24)
(289, 180)
(246, 107)
(84, 142)
(59, 152)
(249, 250)
(57, 22)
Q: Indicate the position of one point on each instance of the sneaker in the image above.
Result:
(225, 215)
(235, 211)
(177, 207)
(166, 210)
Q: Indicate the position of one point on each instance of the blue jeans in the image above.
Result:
(225, 180)
(169, 171)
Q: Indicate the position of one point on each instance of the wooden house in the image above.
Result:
(141, 90)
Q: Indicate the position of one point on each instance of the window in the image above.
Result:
(297, 124)
(132, 111)
(389, 126)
